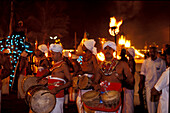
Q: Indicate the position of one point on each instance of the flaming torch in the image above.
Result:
(114, 27)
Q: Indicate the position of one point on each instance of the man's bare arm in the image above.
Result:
(128, 74)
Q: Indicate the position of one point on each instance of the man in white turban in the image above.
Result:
(88, 66)
(128, 106)
(89, 44)
(60, 77)
(110, 73)
(42, 63)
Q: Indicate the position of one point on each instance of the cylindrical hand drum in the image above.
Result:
(84, 82)
(111, 98)
(28, 81)
(75, 82)
(91, 98)
(40, 99)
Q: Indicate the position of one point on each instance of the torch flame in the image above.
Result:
(121, 40)
(127, 44)
(113, 23)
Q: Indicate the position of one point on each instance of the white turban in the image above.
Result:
(132, 52)
(89, 44)
(56, 48)
(43, 48)
(110, 44)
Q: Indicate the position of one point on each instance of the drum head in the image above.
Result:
(42, 101)
(111, 95)
(83, 82)
(28, 81)
(90, 95)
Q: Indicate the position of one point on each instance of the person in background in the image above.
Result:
(22, 72)
(122, 54)
(162, 85)
(128, 104)
(5, 70)
(88, 67)
(151, 70)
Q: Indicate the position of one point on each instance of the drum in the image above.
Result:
(111, 99)
(84, 82)
(28, 81)
(91, 98)
(75, 81)
(40, 99)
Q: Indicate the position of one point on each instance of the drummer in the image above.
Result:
(43, 64)
(110, 72)
(88, 67)
(60, 77)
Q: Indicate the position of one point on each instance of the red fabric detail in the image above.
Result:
(101, 107)
(42, 72)
(61, 92)
(113, 86)
(56, 65)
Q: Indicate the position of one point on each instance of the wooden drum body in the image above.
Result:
(91, 98)
(28, 81)
(40, 99)
(111, 99)
(84, 82)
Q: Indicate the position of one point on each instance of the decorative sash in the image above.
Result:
(56, 82)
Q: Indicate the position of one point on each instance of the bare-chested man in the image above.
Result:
(111, 72)
(88, 66)
(60, 77)
(43, 64)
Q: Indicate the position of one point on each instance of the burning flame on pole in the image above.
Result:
(114, 26)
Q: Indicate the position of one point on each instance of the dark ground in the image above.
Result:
(10, 104)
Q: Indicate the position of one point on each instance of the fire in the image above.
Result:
(69, 54)
(121, 40)
(137, 53)
(115, 24)
(127, 44)
(101, 56)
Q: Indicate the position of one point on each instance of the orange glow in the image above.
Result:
(46, 54)
(121, 40)
(127, 44)
(69, 54)
(100, 56)
(137, 53)
(113, 23)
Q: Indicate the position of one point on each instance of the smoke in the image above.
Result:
(128, 9)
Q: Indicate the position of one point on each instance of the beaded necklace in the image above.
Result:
(108, 67)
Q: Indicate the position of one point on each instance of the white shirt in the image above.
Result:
(163, 84)
(152, 69)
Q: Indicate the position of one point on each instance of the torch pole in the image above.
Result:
(115, 41)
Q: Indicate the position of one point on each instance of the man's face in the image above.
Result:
(84, 48)
(153, 52)
(108, 52)
(55, 55)
(38, 53)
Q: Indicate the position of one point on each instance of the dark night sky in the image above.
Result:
(143, 21)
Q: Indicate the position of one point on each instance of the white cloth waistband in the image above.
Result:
(56, 78)
(89, 75)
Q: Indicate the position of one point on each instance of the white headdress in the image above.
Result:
(89, 44)
(132, 52)
(56, 48)
(43, 48)
(110, 44)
